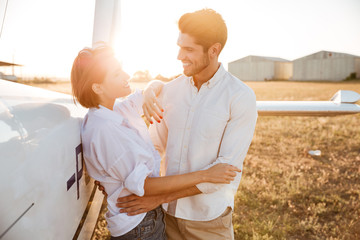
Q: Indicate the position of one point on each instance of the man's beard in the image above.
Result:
(198, 68)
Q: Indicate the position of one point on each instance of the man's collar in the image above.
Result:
(216, 78)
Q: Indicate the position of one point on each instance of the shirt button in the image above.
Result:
(185, 146)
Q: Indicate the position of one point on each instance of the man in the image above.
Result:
(209, 118)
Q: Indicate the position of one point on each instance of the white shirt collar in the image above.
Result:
(215, 79)
(107, 114)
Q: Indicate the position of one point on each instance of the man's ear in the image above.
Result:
(215, 50)
(96, 88)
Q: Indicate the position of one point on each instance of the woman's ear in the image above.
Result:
(96, 88)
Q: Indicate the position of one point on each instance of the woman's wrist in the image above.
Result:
(147, 90)
(203, 176)
(166, 198)
(156, 86)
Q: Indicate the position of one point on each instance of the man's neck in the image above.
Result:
(205, 75)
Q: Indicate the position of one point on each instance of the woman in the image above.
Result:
(117, 147)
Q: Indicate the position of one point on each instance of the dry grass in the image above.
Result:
(287, 194)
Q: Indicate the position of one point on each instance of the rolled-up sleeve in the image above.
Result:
(136, 179)
(134, 100)
(236, 140)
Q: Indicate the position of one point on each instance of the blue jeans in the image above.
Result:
(152, 227)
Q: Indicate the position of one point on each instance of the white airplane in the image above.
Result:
(46, 192)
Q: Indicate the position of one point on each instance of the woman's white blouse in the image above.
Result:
(119, 153)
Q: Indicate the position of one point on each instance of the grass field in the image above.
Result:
(285, 193)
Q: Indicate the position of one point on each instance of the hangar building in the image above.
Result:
(326, 66)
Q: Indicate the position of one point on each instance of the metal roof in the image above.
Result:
(330, 53)
(274, 59)
(6, 64)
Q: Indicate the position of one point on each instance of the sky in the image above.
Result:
(45, 36)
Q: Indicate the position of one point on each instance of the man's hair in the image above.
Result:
(206, 26)
(88, 68)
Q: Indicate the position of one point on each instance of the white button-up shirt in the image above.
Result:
(201, 128)
(119, 153)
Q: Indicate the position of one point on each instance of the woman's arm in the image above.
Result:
(220, 173)
(151, 106)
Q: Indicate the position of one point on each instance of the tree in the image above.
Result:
(142, 76)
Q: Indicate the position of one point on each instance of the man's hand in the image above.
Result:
(134, 205)
(151, 105)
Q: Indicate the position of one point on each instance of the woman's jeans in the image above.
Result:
(152, 227)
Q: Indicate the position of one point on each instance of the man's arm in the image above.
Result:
(236, 139)
(133, 205)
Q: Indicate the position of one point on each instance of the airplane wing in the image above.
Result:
(343, 102)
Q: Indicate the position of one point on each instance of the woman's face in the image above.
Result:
(116, 83)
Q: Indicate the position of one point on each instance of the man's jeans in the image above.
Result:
(152, 227)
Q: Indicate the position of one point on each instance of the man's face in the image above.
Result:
(192, 55)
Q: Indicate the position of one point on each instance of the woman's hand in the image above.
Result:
(151, 106)
(221, 173)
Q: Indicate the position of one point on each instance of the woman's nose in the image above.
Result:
(127, 77)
